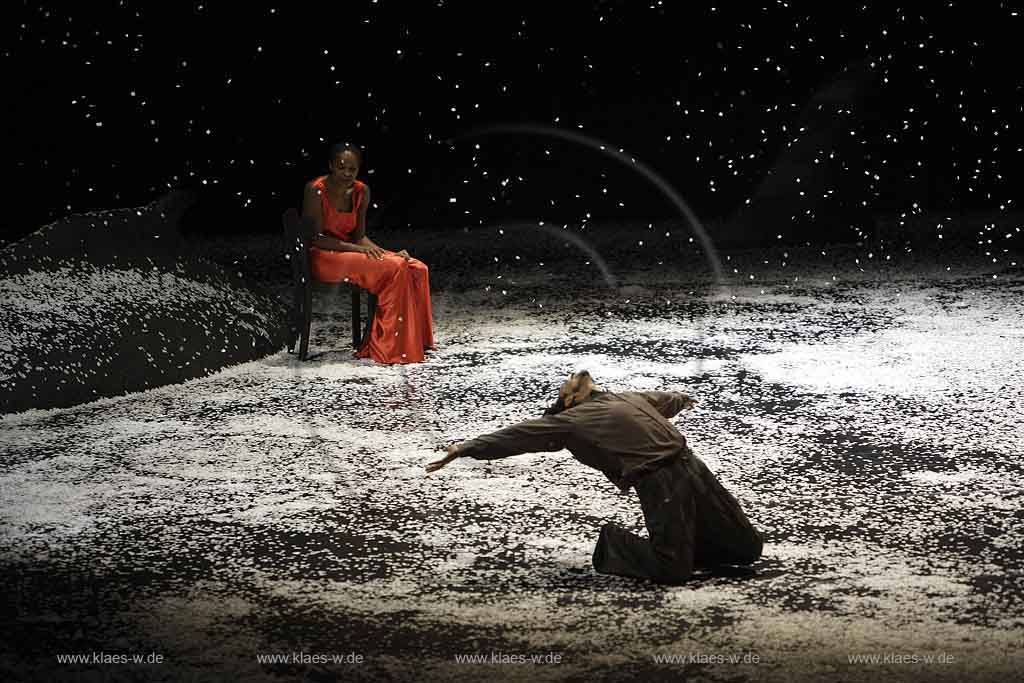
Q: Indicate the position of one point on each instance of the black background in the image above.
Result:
(113, 104)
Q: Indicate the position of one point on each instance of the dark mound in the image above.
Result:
(110, 302)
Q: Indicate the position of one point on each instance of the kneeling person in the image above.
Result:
(691, 519)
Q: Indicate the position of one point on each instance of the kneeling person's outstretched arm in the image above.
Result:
(543, 434)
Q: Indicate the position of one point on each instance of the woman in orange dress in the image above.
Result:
(402, 328)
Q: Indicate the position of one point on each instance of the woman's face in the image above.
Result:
(345, 168)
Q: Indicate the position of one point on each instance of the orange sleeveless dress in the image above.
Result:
(402, 328)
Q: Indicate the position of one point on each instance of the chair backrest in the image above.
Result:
(297, 235)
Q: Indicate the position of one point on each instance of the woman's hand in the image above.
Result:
(373, 251)
(404, 254)
(453, 452)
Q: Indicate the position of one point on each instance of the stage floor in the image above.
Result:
(869, 423)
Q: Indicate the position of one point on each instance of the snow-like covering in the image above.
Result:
(279, 505)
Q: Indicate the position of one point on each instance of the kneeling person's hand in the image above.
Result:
(453, 452)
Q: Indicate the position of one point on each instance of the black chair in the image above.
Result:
(298, 233)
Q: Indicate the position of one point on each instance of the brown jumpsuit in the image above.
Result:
(692, 521)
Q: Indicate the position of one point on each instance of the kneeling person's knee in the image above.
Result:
(751, 550)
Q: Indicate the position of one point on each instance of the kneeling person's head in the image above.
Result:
(574, 391)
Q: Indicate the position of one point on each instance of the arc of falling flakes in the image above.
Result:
(585, 246)
(609, 150)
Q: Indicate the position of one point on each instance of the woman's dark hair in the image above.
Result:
(341, 147)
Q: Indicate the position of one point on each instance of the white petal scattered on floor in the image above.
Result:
(280, 504)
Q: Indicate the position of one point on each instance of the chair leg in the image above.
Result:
(307, 316)
(356, 322)
(295, 317)
(295, 323)
(293, 329)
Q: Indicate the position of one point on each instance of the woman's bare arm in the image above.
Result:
(359, 237)
(360, 232)
(334, 244)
